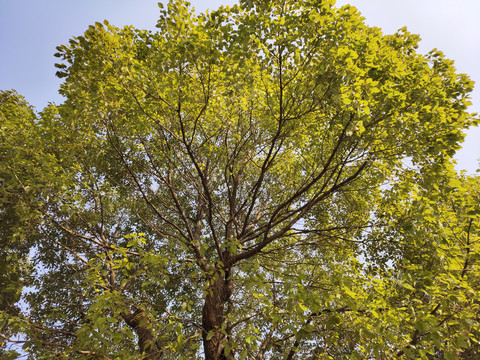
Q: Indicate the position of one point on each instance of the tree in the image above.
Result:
(16, 118)
(428, 233)
(244, 183)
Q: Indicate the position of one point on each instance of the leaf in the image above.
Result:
(450, 355)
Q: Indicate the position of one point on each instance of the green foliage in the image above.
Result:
(16, 124)
(268, 180)
(434, 261)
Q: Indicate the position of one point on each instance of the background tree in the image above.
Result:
(432, 227)
(227, 186)
(16, 123)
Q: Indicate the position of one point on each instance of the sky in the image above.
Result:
(31, 29)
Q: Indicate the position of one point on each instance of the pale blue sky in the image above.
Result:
(31, 29)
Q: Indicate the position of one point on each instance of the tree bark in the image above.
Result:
(147, 343)
(218, 294)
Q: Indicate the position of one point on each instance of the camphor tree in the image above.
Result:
(271, 180)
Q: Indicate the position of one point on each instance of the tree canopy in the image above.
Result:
(271, 180)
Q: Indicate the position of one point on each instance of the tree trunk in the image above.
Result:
(218, 294)
(147, 343)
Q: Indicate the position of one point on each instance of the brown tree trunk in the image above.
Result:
(218, 294)
(147, 343)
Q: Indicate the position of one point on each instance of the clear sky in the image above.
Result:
(31, 29)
